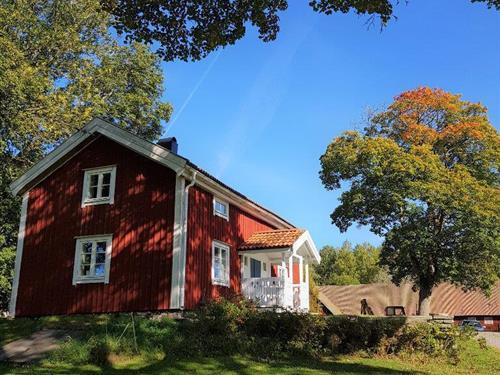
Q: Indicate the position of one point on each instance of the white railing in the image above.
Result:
(265, 291)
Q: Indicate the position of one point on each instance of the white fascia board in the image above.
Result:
(306, 240)
(175, 293)
(213, 187)
(265, 251)
(131, 141)
(19, 254)
(52, 158)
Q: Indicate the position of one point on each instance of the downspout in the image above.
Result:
(184, 226)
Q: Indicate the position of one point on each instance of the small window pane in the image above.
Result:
(94, 180)
(99, 269)
(85, 269)
(105, 191)
(87, 247)
(217, 269)
(86, 258)
(93, 192)
(217, 252)
(100, 257)
(101, 247)
(106, 178)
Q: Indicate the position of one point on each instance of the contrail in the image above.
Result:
(194, 90)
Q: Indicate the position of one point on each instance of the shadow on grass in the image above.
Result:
(220, 365)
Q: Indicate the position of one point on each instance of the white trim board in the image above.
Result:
(19, 254)
(129, 140)
(149, 150)
(175, 287)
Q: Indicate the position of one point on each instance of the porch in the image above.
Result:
(275, 268)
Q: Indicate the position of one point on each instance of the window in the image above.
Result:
(264, 267)
(220, 264)
(99, 186)
(92, 259)
(255, 268)
(221, 208)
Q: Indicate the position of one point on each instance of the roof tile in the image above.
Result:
(272, 239)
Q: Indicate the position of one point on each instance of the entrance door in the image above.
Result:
(255, 268)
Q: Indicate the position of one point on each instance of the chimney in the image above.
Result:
(169, 143)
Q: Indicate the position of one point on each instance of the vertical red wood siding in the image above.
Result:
(203, 228)
(141, 221)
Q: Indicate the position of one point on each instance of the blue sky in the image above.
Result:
(259, 115)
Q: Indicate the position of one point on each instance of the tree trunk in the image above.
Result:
(424, 301)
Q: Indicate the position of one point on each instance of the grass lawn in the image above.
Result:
(474, 360)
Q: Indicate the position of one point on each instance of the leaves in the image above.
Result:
(191, 29)
(425, 174)
(60, 67)
(345, 265)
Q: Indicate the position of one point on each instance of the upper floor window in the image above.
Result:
(221, 208)
(92, 259)
(220, 263)
(99, 186)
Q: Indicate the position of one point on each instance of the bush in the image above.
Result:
(432, 339)
(349, 334)
(98, 351)
(235, 326)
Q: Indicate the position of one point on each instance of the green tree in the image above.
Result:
(191, 29)
(425, 174)
(348, 266)
(59, 67)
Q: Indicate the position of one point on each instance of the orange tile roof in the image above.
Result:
(272, 239)
(446, 299)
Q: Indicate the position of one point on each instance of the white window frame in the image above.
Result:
(79, 279)
(218, 213)
(86, 201)
(227, 272)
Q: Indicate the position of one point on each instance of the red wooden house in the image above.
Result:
(111, 222)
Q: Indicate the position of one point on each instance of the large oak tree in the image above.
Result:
(59, 67)
(191, 29)
(424, 174)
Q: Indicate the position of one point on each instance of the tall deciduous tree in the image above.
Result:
(346, 266)
(59, 67)
(425, 174)
(191, 29)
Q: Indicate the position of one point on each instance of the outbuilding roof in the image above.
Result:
(446, 299)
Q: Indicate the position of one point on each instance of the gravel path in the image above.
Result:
(492, 338)
(32, 348)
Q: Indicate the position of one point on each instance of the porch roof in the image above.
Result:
(272, 239)
(282, 240)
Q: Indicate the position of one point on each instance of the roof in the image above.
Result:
(148, 149)
(446, 299)
(272, 239)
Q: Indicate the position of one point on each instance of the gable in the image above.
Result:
(74, 144)
(181, 166)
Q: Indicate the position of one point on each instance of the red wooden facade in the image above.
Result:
(205, 227)
(141, 221)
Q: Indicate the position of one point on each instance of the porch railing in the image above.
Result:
(265, 291)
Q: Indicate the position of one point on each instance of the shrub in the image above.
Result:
(346, 334)
(432, 339)
(234, 326)
(215, 327)
(98, 351)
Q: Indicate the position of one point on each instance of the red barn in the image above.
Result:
(112, 223)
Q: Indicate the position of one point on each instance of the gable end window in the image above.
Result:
(92, 259)
(220, 263)
(99, 186)
(221, 208)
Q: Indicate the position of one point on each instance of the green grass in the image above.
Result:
(473, 359)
